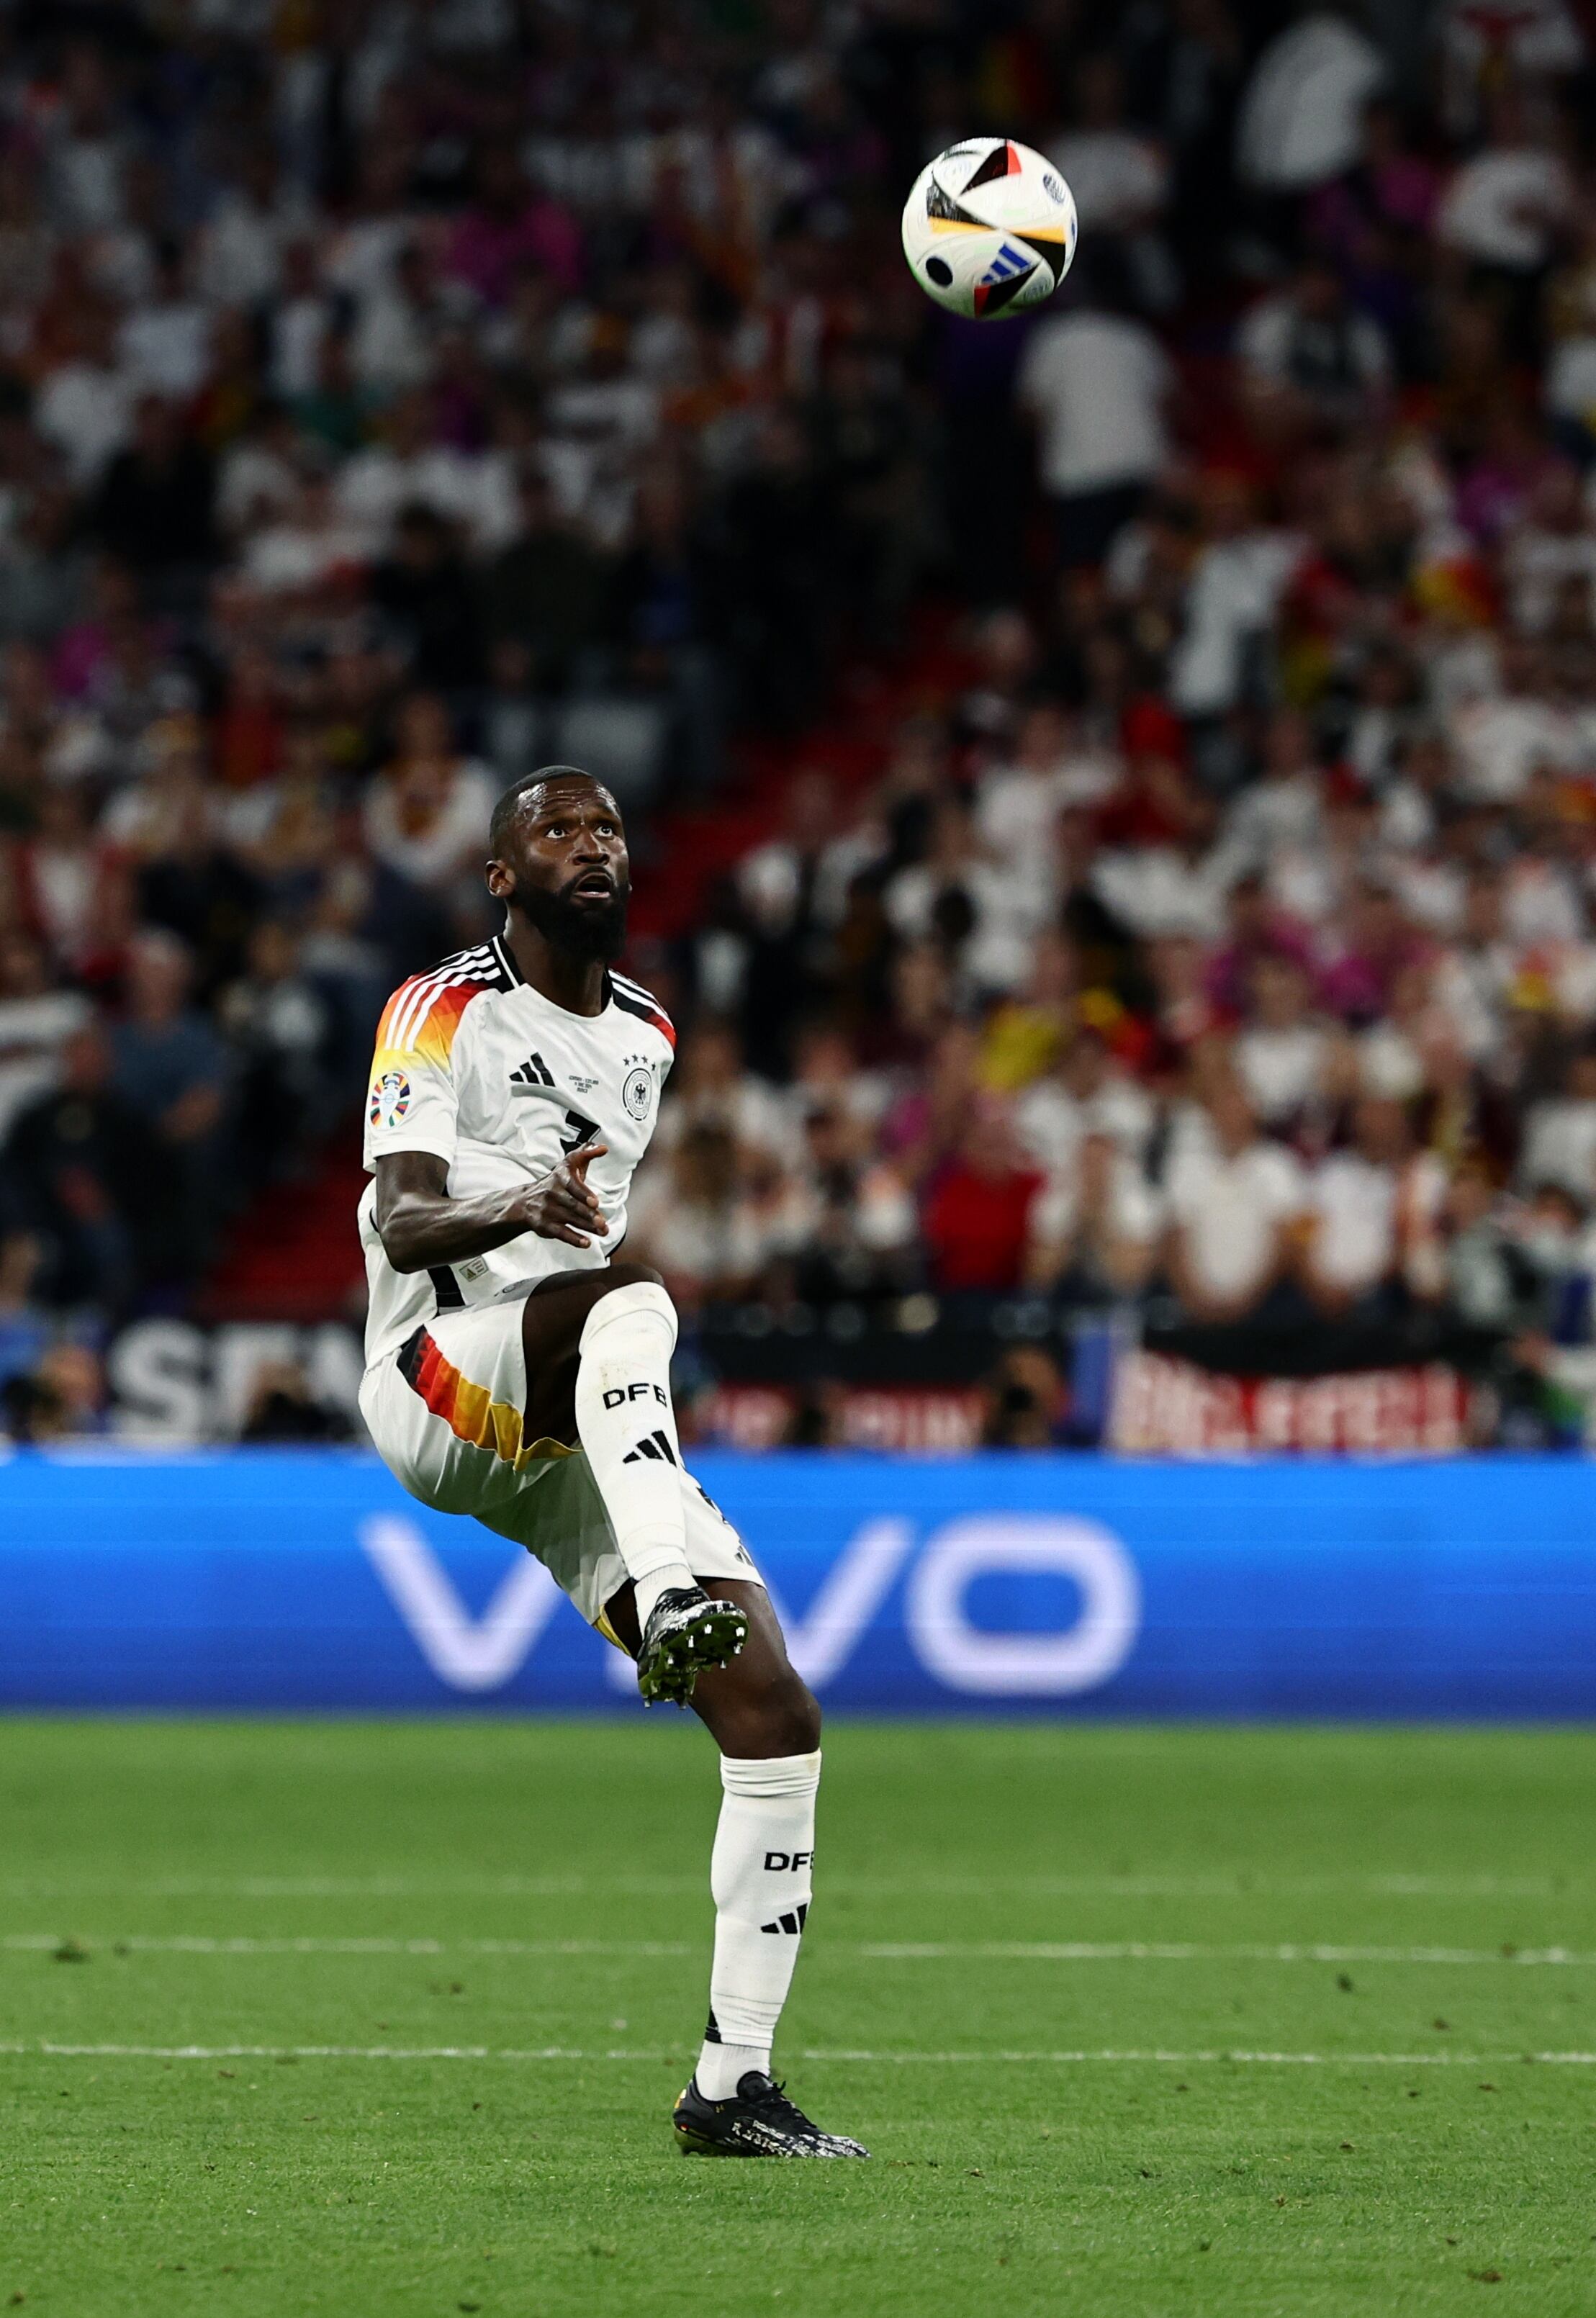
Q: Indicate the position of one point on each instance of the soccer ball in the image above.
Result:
(989, 229)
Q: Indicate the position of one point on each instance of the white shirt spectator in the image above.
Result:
(1096, 384)
(1229, 1211)
(1016, 812)
(1560, 1146)
(1571, 380)
(240, 253)
(85, 180)
(1233, 594)
(476, 489)
(1282, 1070)
(1302, 111)
(1052, 1123)
(1431, 889)
(1155, 890)
(298, 327)
(165, 349)
(1501, 742)
(1272, 814)
(714, 1244)
(1118, 179)
(1017, 806)
(1010, 912)
(1503, 207)
(1541, 902)
(1135, 1216)
(86, 409)
(254, 484)
(432, 854)
(393, 344)
(301, 551)
(1358, 1206)
(1389, 1064)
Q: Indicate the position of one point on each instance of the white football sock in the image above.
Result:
(626, 1423)
(760, 1872)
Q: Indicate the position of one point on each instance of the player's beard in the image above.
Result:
(581, 929)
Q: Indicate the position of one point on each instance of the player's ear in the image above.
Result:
(501, 880)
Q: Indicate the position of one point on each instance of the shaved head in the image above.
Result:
(508, 808)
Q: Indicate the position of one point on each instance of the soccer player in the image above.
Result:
(519, 1369)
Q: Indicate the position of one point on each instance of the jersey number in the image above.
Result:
(578, 1131)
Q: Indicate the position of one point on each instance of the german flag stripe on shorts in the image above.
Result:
(469, 1410)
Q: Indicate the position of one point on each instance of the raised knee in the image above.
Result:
(788, 1720)
(628, 1275)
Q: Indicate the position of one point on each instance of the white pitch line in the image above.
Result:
(870, 1951)
(43, 2049)
(197, 1944)
(1241, 1886)
(1193, 1952)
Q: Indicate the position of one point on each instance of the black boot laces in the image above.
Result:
(774, 2106)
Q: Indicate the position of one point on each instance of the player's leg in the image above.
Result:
(597, 1349)
(766, 1723)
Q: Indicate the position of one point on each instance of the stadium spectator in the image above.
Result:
(283, 1410)
(1235, 1201)
(1373, 1209)
(978, 1216)
(1095, 383)
(36, 1020)
(89, 1181)
(1560, 1134)
(171, 1069)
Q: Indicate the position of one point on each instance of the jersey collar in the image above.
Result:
(507, 960)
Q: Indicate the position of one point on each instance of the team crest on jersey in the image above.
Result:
(390, 1098)
(637, 1094)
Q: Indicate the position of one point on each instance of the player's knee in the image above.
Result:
(787, 1719)
(628, 1275)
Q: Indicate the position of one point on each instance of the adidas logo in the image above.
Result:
(792, 1921)
(534, 1072)
(1008, 261)
(654, 1445)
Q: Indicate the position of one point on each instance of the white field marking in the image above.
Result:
(315, 1887)
(201, 1943)
(1192, 1952)
(1243, 1885)
(870, 1951)
(45, 2049)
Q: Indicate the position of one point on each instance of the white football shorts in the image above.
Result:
(445, 1413)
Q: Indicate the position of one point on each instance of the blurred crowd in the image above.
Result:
(397, 393)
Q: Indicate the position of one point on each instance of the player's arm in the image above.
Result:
(420, 1225)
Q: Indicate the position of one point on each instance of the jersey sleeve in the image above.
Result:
(413, 1102)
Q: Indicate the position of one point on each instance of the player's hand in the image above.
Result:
(563, 1206)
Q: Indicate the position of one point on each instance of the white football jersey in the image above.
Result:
(475, 1065)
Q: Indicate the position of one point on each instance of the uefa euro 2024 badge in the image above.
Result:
(390, 1098)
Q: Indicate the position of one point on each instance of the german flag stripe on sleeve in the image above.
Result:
(633, 999)
(420, 1019)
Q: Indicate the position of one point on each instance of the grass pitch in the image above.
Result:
(387, 2018)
